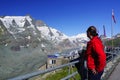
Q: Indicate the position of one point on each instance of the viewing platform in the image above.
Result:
(112, 69)
(115, 75)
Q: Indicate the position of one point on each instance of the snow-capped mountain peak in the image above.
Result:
(19, 20)
(24, 27)
(52, 33)
(82, 36)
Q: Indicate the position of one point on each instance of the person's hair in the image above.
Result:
(92, 31)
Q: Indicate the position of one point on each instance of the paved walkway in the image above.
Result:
(115, 75)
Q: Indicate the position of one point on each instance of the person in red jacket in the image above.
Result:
(95, 55)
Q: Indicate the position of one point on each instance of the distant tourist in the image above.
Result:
(95, 55)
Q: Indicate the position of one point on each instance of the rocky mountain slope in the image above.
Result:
(25, 42)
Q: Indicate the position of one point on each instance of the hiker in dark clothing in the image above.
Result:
(82, 70)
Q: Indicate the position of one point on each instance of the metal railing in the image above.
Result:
(30, 75)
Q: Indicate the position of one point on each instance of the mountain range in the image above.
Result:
(25, 42)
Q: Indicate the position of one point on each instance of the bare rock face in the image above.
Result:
(18, 62)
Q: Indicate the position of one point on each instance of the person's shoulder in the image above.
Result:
(96, 42)
(95, 39)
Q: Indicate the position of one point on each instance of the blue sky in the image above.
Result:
(71, 17)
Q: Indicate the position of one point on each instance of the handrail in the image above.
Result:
(111, 56)
(30, 75)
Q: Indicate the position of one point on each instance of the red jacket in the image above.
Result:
(95, 55)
